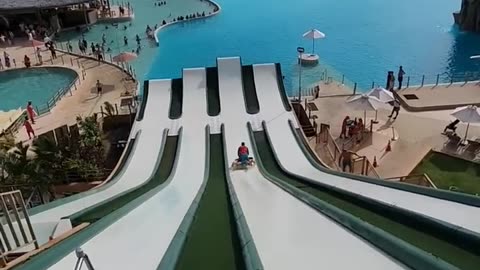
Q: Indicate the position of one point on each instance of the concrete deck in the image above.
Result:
(417, 132)
(440, 97)
(84, 100)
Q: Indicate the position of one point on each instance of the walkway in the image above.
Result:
(417, 133)
(440, 97)
(83, 101)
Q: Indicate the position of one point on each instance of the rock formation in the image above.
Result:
(468, 18)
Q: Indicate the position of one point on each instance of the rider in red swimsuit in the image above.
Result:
(243, 153)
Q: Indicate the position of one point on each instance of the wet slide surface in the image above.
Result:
(212, 241)
(293, 160)
(151, 226)
(287, 233)
(161, 175)
(454, 253)
(140, 165)
(441, 243)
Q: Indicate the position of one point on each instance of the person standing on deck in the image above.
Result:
(99, 88)
(396, 109)
(29, 128)
(31, 112)
(401, 72)
(346, 160)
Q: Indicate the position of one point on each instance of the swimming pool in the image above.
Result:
(18, 86)
(364, 38)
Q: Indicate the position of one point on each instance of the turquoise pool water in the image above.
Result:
(18, 86)
(364, 38)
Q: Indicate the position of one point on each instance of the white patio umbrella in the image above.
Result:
(313, 34)
(467, 114)
(365, 103)
(382, 94)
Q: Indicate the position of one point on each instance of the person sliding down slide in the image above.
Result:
(243, 154)
(243, 160)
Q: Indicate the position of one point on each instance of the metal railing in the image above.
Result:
(18, 232)
(107, 58)
(415, 179)
(328, 75)
(360, 165)
(47, 107)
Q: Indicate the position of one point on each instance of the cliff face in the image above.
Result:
(468, 18)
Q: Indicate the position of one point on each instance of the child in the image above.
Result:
(29, 128)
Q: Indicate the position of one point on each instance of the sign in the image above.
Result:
(300, 49)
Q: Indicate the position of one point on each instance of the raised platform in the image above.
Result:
(440, 97)
(308, 59)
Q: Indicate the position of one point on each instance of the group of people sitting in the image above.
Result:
(352, 128)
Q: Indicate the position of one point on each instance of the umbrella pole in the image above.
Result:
(466, 132)
(313, 42)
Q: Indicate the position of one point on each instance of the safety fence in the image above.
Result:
(18, 231)
(327, 75)
(360, 165)
(415, 179)
(66, 47)
(47, 106)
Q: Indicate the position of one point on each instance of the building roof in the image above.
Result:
(36, 4)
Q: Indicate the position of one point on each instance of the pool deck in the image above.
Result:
(83, 101)
(416, 132)
(440, 97)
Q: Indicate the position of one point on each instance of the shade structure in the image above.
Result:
(467, 114)
(313, 34)
(125, 57)
(381, 94)
(365, 103)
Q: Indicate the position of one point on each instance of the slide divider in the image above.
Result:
(402, 251)
(435, 193)
(249, 250)
(281, 87)
(50, 256)
(141, 112)
(78, 214)
(450, 233)
(174, 250)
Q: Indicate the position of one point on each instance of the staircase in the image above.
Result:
(303, 119)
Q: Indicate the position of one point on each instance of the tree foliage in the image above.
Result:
(46, 163)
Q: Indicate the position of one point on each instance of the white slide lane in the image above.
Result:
(287, 233)
(140, 166)
(293, 160)
(139, 239)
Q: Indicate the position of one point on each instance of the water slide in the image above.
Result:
(152, 221)
(462, 219)
(137, 165)
(287, 233)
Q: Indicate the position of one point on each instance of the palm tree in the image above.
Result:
(7, 141)
(109, 109)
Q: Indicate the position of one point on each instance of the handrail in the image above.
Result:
(328, 75)
(52, 101)
(421, 179)
(366, 168)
